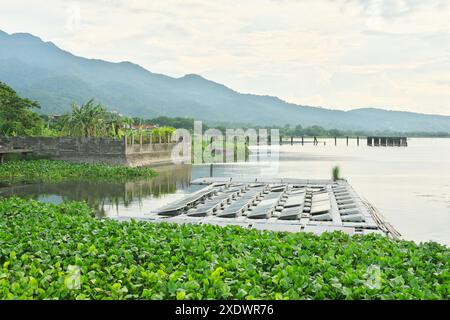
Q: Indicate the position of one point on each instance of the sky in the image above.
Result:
(340, 54)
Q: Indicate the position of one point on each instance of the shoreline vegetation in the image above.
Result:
(287, 130)
(19, 117)
(35, 171)
(61, 252)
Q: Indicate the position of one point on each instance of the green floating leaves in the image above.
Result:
(61, 252)
(57, 171)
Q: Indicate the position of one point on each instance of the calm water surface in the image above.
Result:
(410, 186)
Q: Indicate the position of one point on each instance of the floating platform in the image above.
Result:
(289, 205)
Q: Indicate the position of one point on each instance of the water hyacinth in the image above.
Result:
(62, 252)
(56, 171)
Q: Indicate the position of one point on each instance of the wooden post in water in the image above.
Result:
(347, 141)
(211, 142)
(404, 142)
(335, 141)
(235, 140)
(281, 140)
(357, 141)
(292, 140)
(224, 150)
(211, 170)
(303, 141)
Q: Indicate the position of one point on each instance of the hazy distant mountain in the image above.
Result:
(41, 71)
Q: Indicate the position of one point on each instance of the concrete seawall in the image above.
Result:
(93, 150)
(145, 155)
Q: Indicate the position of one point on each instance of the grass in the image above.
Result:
(336, 173)
(56, 171)
(61, 252)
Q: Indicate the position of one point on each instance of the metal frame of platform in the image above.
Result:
(285, 205)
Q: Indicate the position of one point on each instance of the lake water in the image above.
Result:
(410, 186)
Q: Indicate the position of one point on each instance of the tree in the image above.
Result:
(87, 120)
(117, 123)
(93, 120)
(17, 116)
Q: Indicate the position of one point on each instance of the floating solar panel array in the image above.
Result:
(278, 205)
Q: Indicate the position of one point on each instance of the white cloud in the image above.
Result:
(342, 53)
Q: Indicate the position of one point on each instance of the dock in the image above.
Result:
(285, 205)
(387, 141)
(372, 141)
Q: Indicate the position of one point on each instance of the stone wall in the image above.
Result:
(93, 150)
(154, 154)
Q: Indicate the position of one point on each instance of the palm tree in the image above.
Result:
(87, 120)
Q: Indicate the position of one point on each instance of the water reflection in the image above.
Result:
(113, 198)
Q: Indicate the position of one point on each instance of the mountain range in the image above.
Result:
(41, 71)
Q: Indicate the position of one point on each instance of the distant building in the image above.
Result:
(55, 117)
(136, 127)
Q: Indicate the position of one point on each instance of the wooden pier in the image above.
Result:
(314, 140)
(387, 141)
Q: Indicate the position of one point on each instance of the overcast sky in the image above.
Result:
(341, 54)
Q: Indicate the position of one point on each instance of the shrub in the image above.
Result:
(336, 173)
